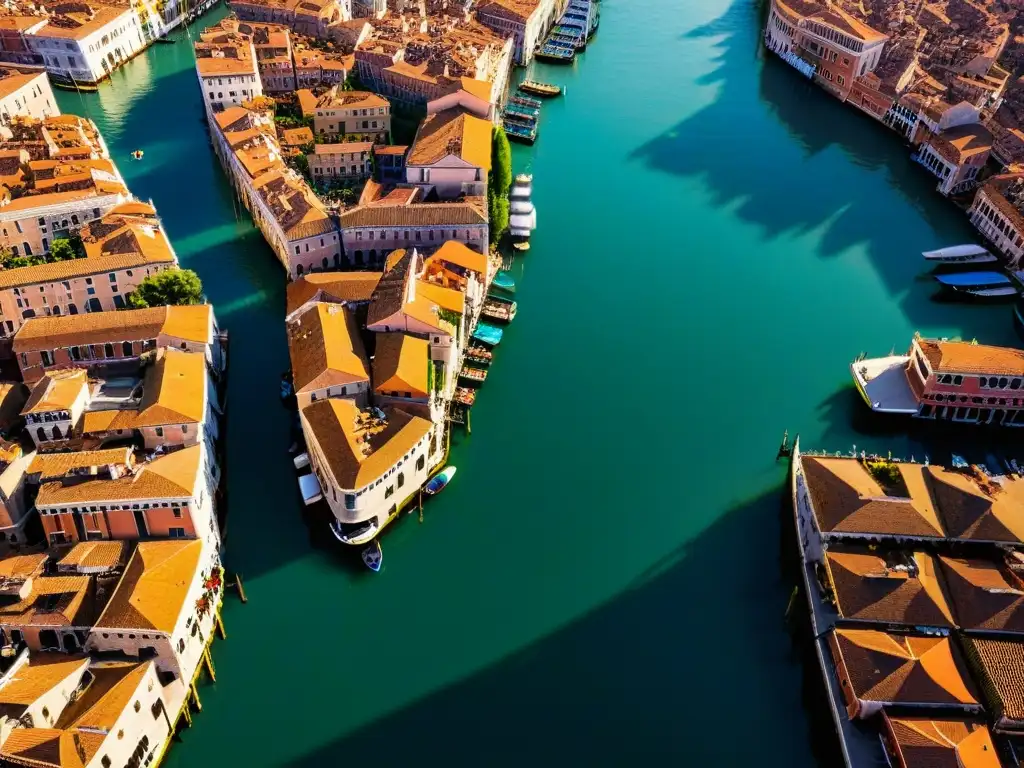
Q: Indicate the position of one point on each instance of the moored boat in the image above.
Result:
(465, 396)
(979, 284)
(522, 213)
(504, 281)
(538, 88)
(373, 556)
(517, 131)
(502, 311)
(526, 101)
(480, 355)
(438, 482)
(960, 254)
(476, 375)
(488, 334)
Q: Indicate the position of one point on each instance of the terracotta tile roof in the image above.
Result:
(969, 511)
(49, 747)
(390, 149)
(188, 323)
(82, 21)
(11, 81)
(985, 594)
(95, 556)
(460, 255)
(452, 132)
(174, 392)
(357, 446)
(55, 601)
(326, 349)
(22, 566)
(336, 98)
(43, 672)
(56, 391)
(390, 294)
(999, 666)
(296, 137)
(413, 215)
(113, 687)
(967, 358)
(894, 590)
(331, 286)
(962, 142)
(151, 594)
(847, 499)
(904, 669)
(514, 10)
(446, 298)
(400, 364)
(926, 743)
(343, 148)
(171, 476)
(52, 465)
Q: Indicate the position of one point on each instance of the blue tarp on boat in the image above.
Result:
(488, 334)
(973, 279)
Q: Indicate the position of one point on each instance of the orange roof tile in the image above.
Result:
(400, 364)
(52, 465)
(332, 286)
(968, 358)
(57, 391)
(326, 348)
(42, 673)
(452, 132)
(188, 323)
(923, 743)
(358, 447)
(171, 476)
(151, 594)
(904, 669)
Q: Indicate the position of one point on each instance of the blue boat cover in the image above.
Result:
(973, 279)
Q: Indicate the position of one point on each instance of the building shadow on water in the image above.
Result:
(790, 159)
(690, 665)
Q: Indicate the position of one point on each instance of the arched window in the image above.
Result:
(126, 348)
(41, 434)
(298, 270)
(56, 433)
(108, 350)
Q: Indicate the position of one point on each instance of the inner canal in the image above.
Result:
(602, 583)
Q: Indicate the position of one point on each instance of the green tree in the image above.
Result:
(62, 250)
(501, 162)
(497, 210)
(173, 287)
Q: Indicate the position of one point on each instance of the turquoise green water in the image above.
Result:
(601, 584)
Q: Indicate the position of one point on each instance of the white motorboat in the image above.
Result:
(523, 216)
(960, 254)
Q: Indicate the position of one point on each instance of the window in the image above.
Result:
(421, 462)
(105, 762)
(401, 479)
(841, 80)
(350, 501)
(177, 512)
(159, 431)
(176, 533)
(108, 350)
(47, 357)
(389, 492)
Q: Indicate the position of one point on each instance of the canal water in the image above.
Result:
(601, 584)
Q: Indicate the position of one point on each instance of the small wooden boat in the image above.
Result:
(521, 246)
(373, 556)
(519, 132)
(556, 54)
(480, 355)
(504, 281)
(439, 481)
(526, 101)
(465, 396)
(502, 311)
(478, 375)
(521, 109)
(137, 154)
(539, 89)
